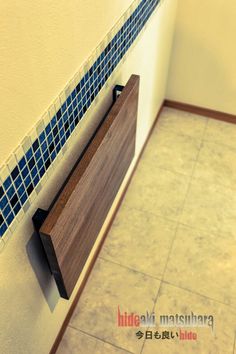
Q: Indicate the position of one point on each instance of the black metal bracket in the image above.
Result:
(117, 91)
(39, 218)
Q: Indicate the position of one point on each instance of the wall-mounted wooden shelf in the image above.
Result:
(72, 225)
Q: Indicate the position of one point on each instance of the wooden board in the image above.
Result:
(72, 226)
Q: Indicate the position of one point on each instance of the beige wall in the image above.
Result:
(203, 70)
(53, 32)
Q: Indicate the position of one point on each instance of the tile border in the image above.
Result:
(30, 165)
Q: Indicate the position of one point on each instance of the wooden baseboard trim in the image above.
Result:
(225, 117)
(84, 281)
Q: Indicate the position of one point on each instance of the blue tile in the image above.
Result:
(45, 155)
(21, 190)
(42, 137)
(73, 94)
(48, 129)
(40, 163)
(22, 163)
(10, 192)
(36, 180)
(38, 154)
(68, 101)
(63, 108)
(29, 154)
(3, 229)
(27, 181)
(44, 146)
(34, 172)
(7, 183)
(53, 121)
(23, 198)
(3, 202)
(10, 219)
(18, 181)
(6, 211)
(25, 172)
(49, 139)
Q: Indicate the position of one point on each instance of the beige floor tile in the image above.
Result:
(217, 164)
(173, 152)
(156, 190)
(204, 263)
(76, 342)
(172, 300)
(139, 240)
(110, 286)
(179, 122)
(221, 132)
(210, 207)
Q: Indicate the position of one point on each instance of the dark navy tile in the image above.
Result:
(30, 189)
(17, 208)
(47, 163)
(15, 172)
(35, 145)
(1, 192)
(42, 171)
(14, 200)
(1, 219)
(31, 163)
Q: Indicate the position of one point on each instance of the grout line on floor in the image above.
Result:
(199, 294)
(99, 339)
(153, 308)
(129, 268)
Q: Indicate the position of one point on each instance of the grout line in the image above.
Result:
(184, 202)
(198, 294)
(153, 308)
(129, 268)
(99, 339)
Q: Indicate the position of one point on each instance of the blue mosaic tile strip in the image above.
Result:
(23, 179)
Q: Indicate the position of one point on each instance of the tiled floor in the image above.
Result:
(172, 247)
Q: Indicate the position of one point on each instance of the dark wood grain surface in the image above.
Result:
(73, 224)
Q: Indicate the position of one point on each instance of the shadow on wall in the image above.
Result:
(39, 263)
